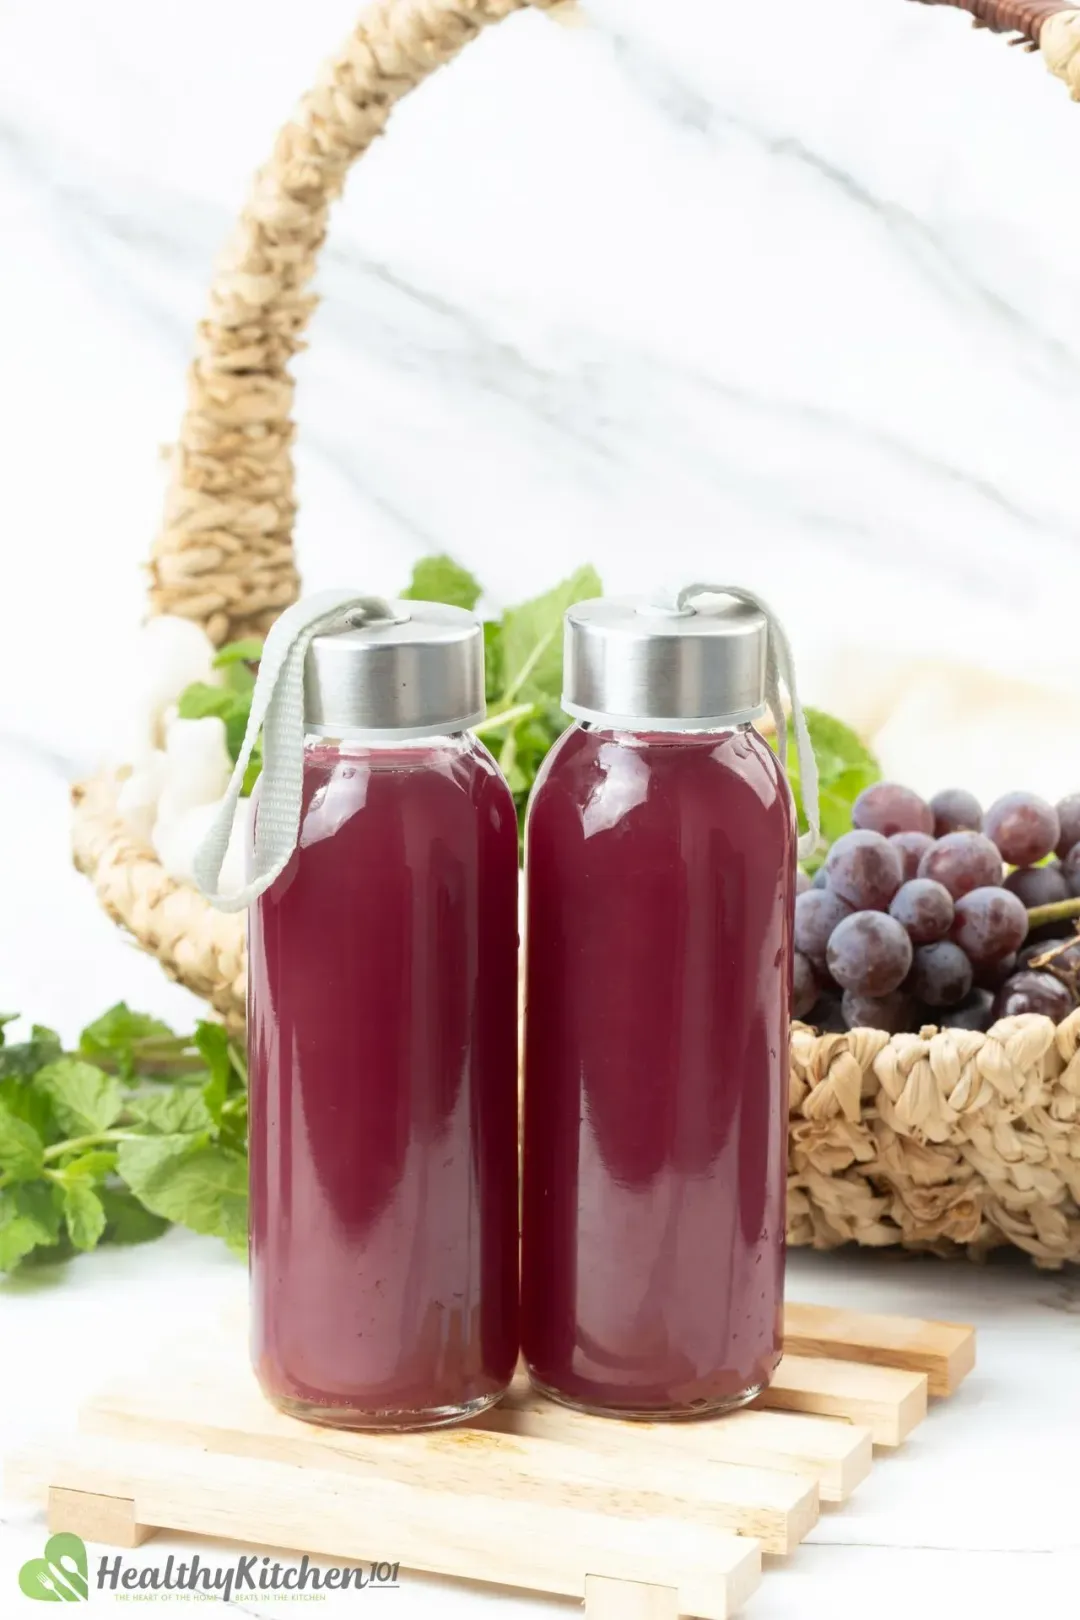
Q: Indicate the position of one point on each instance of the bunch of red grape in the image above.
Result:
(912, 919)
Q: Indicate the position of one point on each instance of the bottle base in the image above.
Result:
(387, 1422)
(654, 1414)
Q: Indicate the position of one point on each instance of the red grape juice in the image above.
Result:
(661, 881)
(383, 1078)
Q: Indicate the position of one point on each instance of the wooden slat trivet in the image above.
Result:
(945, 1351)
(644, 1521)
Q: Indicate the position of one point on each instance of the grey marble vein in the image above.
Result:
(929, 249)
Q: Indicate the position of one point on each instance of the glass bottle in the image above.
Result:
(382, 1034)
(660, 860)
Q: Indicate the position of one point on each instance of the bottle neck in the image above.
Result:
(640, 725)
(332, 737)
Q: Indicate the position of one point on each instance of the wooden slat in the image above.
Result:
(214, 1402)
(886, 1400)
(836, 1455)
(110, 1519)
(629, 1600)
(944, 1351)
(496, 1539)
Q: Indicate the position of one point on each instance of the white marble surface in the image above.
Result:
(782, 293)
(679, 294)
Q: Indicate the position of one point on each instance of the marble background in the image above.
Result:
(679, 295)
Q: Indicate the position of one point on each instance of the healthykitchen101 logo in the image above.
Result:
(61, 1575)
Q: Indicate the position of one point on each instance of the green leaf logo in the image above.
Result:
(60, 1576)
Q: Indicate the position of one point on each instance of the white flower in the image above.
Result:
(177, 838)
(171, 653)
(137, 800)
(197, 765)
(177, 841)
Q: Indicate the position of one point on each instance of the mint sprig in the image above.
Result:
(523, 652)
(230, 702)
(138, 1128)
(524, 672)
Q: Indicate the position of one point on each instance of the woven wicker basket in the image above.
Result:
(932, 1140)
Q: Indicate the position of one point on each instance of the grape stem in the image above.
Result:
(1059, 911)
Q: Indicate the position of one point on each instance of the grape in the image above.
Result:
(1061, 959)
(816, 915)
(992, 975)
(888, 808)
(976, 1011)
(1023, 826)
(828, 1018)
(802, 882)
(891, 1013)
(1038, 885)
(941, 974)
(963, 861)
(864, 869)
(956, 810)
(1070, 870)
(821, 879)
(911, 847)
(804, 989)
(1034, 993)
(989, 924)
(1069, 817)
(869, 952)
(924, 908)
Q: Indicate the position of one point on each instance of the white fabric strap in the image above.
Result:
(277, 710)
(779, 666)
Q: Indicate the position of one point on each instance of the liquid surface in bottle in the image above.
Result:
(661, 875)
(383, 1039)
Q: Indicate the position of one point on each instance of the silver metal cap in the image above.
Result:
(627, 661)
(419, 671)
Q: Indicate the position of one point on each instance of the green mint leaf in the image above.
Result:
(234, 1122)
(199, 700)
(84, 1214)
(120, 1035)
(845, 767)
(26, 1058)
(236, 722)
(837, 748)
(247, 651)
(92, 1166)
(6, 1018)
(241, 681)
(254, 770)
(200, 1184)
(84, 1098)
(214, 1048)
(835, 802)
(22, 1151)
(527, 745)
(516, 780)
(532, 638)
(170, 1112)
(493, 660)
(23, 1098)
(29, 1217)
(126, 1220)
(441, 579)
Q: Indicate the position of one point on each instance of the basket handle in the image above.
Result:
(224, 553)
(1046, 25)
